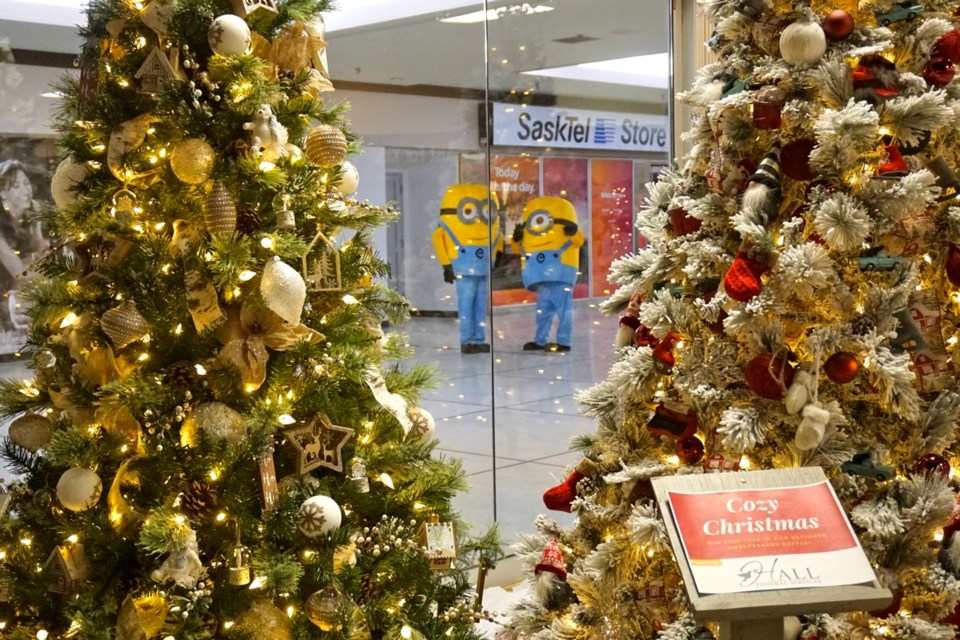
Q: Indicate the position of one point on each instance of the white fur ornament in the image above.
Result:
(268, 135)
(803, 43)
(64, 181)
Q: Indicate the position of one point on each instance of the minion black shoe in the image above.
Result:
(533, 346)
(553, 346)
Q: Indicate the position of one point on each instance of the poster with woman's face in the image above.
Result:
(26, 165)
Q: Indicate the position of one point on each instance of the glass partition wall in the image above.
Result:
(556, 110)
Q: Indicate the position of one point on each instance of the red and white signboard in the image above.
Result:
(764, 539)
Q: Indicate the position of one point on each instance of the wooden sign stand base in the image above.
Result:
(769, 629)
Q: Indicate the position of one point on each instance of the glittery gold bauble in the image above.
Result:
(326, 146)
(326, 609)
(283, 290)
(263, 620)
(124, 324)
(216, 422)
(32, 432)
(192, 160)
(220, 213)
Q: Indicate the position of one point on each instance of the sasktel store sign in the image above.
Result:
(531, 126)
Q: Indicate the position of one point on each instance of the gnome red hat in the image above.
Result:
(552, 560)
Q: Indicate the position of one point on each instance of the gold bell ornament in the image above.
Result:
(192, 160)
(326, 145)
(220, 212)
(124, 324)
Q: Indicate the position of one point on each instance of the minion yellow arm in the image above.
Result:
(440, 246)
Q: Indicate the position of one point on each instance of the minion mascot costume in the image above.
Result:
(549, 241)
(463, 244)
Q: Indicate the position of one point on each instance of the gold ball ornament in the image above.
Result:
(64, 181)
(32, 432)
(124, 324)
(319, 515)
(326, 609)
(79, 489)
(192, 160)
(349, 180)
(326, 146)
(214, 422)
(220, 212)
(283, 290)
(263, 620)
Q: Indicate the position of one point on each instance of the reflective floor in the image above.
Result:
(535, 414)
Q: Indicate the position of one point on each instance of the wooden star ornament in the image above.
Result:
(318, 444)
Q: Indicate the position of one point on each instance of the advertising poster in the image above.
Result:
(611, 191)
(567, 178)
(516, 181)
(768, 539)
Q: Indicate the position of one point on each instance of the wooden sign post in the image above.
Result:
(754, 547)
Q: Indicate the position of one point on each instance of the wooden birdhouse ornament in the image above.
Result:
(244, 8)
(66, 569)
(440, 541)
(320, 265)
(158, 68)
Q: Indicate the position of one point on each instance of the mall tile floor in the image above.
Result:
(519, 402)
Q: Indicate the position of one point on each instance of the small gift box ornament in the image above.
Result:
(440, 543)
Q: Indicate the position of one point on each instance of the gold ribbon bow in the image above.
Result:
(246, 335)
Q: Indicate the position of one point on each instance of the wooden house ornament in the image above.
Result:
(440, 541)
(158, 68)
(244, 8)
(320, 265)
(66, 569)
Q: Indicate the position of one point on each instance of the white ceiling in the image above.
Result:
(403, 43)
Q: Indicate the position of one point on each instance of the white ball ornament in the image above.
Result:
(349, 179)
(65, 178)
(283, 290)
(319, 515)
(79, 489)
(424, 426)
(229, 35)
(803, 43)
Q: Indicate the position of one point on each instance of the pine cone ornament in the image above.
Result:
(862, 325)
(200, 499)
(248, 220)
(181, 373)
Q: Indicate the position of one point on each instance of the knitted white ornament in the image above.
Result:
(803, 43)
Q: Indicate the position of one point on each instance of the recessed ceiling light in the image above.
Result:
(473, 17)
(652, 70)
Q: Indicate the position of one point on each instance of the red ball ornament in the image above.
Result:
(683, 223)
(931, 462)
(690, 450)
(952, 266)
(795, 159)
(948, 47)
(768, 377)
(841, 367)
(939, 72)
(837, 25)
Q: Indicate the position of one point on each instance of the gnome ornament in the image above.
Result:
(762, 196)
(630, 322)
(551, 573)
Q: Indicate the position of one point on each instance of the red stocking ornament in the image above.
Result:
(560, 497)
